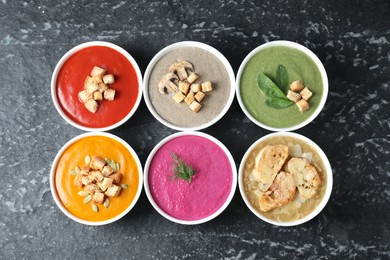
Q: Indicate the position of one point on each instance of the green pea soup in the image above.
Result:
(299, 66)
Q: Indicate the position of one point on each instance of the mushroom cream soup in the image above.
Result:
(298, 207)
(209, 68)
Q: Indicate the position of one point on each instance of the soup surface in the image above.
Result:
(74, 155)
(298, 207)
(209, 188)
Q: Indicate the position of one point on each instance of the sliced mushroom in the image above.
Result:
(166, 83)
(181, 68)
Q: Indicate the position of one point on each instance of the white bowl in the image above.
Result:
(171, 48)
(309, 53)
(216, 213)
(329, 181)
(66, 57)
(53, 185)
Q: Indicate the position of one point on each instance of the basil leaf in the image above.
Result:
(278, 102)
(282, 78)
(268, 87)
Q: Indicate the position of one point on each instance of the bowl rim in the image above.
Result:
(65, 57)
(53, 185)
(309, 53)
(171, 48)
(232, 188)
(329, 183)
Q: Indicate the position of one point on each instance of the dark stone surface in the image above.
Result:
(350, 37)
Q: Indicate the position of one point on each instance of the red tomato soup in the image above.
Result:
(70, 82)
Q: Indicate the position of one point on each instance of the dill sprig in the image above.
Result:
(181, 169)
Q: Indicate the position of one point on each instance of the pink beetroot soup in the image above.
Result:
(209, 188)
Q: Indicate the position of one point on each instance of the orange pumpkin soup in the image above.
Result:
(74, 155)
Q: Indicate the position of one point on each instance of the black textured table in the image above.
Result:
(351, 39)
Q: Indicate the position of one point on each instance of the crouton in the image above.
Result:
(77, 181)
(195, 106)
(109, 94)
(302, 105)
(196, 87)
(184, 87)
(293, 96)
(113, 191)
(116, 177)
(199, 96)
(87, 179)
(97, 95)
(207, 86)
(279, 193)
(91, 88)
(91, 105)
(98, 197)
(189, 98)
(306, 93)
(97, 71)
(84, 96)
(102, 87)
(306, 177)
(296, 86)
(192, 77)
(107, 171)
(92, 188)
(108, 79)
(84, 171)
(107, 182)
(178, 97)
(268, 163)
(97, 163)
(97, 175)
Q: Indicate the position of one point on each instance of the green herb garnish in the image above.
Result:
(276, 97)
(181, 169)
(282, 78)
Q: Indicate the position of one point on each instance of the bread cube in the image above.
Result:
(297, 86)
(184, 87)
(91, 105)
(107, 182)
(199, 96)
(97, 163)
(98, 197)
(192, 77)
(84, 171)
(108, 79)
(107, 171)
(77, 181)
(102, 87)
(195, 106)
(97, 175)
(196, 87)
(306, 93)
(113, 191)
(85, 180)
(302, 105)
(207, 86)
(92, 188)
(116, 177)
(97, 71)
(293, 96)
(84, 96)
(97, 95)
(189, 98)
(178, 97)
(91, 88)
(109, 94)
